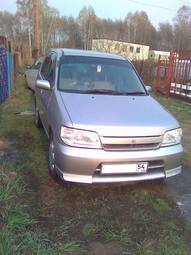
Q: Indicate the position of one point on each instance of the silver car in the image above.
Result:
(31, 73)
(102, 124)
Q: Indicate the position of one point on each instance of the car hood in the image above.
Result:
(116, 115)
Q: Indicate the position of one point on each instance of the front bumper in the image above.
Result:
(83, 165)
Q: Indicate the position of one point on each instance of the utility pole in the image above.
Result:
(36, 29)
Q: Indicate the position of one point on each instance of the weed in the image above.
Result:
(170, 243)
(69, 247)
(89, 229)
(127, 216)
(159, 205)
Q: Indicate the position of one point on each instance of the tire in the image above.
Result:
(37, 119)
(51, 158)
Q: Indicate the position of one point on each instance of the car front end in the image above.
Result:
(116, 131)
(119, 160)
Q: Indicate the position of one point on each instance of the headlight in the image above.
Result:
(172, 137)
(80, 138)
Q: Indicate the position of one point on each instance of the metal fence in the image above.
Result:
(147, 69)
(6, 74)
(176, 78)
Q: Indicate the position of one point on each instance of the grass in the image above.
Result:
(170, 242)
(16, 234)
(19, 231)
(41, 216)
(89, 229)
(180, 109)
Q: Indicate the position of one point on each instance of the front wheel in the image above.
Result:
(37, 119)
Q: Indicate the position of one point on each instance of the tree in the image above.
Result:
(139, 29)
(25, 16)
(58, 31)
(8, 25)
(165, 36)
(49, 25)
(86, 20)
(72, 31)
(182, 29)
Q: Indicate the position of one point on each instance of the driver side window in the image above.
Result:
(45, 68)
(52, 69)
(49, 68)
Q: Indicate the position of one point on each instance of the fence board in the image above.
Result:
(6, 74)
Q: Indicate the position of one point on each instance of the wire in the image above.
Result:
(153, 5)
(185, 2)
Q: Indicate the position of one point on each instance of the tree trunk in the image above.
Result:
(30, 44)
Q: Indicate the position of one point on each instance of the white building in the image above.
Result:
(154, 54)
(130, 50)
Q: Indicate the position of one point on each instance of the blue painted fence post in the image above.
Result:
(4, 75)
(10, 71)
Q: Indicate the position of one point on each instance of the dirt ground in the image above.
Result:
(138, 218)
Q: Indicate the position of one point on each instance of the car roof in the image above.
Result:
(87, 53)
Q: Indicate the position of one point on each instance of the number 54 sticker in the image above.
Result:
(142, 167)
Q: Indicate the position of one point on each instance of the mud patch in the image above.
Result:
(187, 142)
(6, 154)
(24, 140)
(9, 155)
(25, 113)
(111, 248)
(4, 143)
(184, 204)
(181, 184)
(181, 187)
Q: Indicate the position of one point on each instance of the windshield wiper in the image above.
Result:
(111, 92)
(134, 93)
(101, 91)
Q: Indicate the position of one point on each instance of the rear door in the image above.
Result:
(49, 93)
(47, 73)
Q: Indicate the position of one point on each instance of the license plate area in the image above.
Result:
(130, 168)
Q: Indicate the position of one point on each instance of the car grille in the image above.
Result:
(131, 143)
(155, 166)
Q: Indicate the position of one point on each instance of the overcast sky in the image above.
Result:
(158, 11)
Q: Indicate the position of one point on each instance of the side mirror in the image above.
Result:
(27, 66)
(43, 84)
(148, 88)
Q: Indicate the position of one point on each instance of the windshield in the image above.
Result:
(98, 75)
